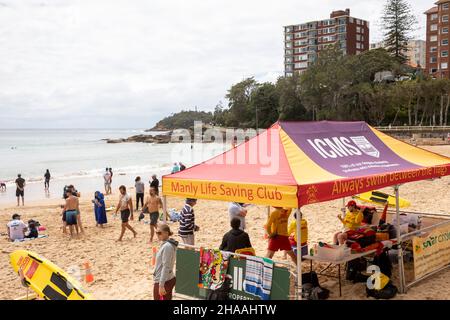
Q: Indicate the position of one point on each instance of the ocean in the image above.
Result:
(80, 156)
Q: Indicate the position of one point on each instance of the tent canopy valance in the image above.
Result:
(293, 164)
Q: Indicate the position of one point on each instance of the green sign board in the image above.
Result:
(187, 273)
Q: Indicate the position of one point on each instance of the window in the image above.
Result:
(434, 16)
(288, 29)
(444, 42)
(288, 52)
(433, 59)
(433, 27)
(288, 37)
(303, 34)
(444, 65)
(445, 30)
(358, 29)
(358, 45)
(301, 65)
(445, 18)
(342, 29)
(433, 38)
(288, 44)
(358, 21)
(350, 19)
(444, 53)
(433, 49)
(358, 37)
(444, 6)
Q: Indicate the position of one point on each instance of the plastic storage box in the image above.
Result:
(334, 253)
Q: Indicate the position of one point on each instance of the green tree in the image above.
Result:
(264, 105)
(398, 21)
(239, 97)
(290, 106)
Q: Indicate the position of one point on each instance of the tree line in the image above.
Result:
(344, 88)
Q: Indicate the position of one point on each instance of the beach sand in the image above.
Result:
(123, 270)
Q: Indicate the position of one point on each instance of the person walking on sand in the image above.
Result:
(152, 205)
(20, 189)
(110, 180)
(163, 277)
(2, 186)
(155, 183)
(71, 210)
(187, 222)
(107, 180)
(126, 211)
(140, 190)
(47, 177)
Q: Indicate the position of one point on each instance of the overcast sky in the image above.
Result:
(127, 64)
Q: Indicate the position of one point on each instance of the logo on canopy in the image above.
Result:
(365, 146)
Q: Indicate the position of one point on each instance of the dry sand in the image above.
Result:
(123, 270)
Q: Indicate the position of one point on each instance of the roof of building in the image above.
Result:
(441, 1)
(432, 10)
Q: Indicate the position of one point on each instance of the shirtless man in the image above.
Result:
(152, 205)
(71, 209)
(126, 211)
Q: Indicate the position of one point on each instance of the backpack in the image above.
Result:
(354, 269)
(384, 263)
(311, 290)
(388, 292)
(221, 293)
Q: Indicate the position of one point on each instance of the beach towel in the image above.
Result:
(100, 210)
(29, 239)
(258, 277)
(212, 270)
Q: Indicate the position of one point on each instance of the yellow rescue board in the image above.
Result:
(46, 279)
(380, 198)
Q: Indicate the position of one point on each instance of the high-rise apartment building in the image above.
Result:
(437, 40)
(303, 42)
(416, 52)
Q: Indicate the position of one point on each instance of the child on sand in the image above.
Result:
(126, 211)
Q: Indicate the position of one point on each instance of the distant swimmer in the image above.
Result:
(2, 186)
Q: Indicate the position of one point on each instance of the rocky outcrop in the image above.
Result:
(161, 138)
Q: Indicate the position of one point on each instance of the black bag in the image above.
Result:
(221, 293)
(384, 263)
(310, 277)
(311, 290)
(388, 292)
(354, 269)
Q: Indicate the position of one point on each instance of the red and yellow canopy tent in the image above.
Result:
(293, 164)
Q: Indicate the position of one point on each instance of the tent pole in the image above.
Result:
(399, 242)
(299, 254)
(164, 198)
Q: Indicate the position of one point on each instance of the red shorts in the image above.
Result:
(279, 243)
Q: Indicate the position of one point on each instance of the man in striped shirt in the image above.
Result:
(187, 222)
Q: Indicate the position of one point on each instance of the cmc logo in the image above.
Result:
(340, 147)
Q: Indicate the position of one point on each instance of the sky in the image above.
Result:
(129, 63)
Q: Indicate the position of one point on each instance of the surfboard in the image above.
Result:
(110, 209)
(378, 197)
(46, 279)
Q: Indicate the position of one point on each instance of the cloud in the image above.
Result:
(129, 63)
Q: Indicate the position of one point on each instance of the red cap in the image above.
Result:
(351, 203)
